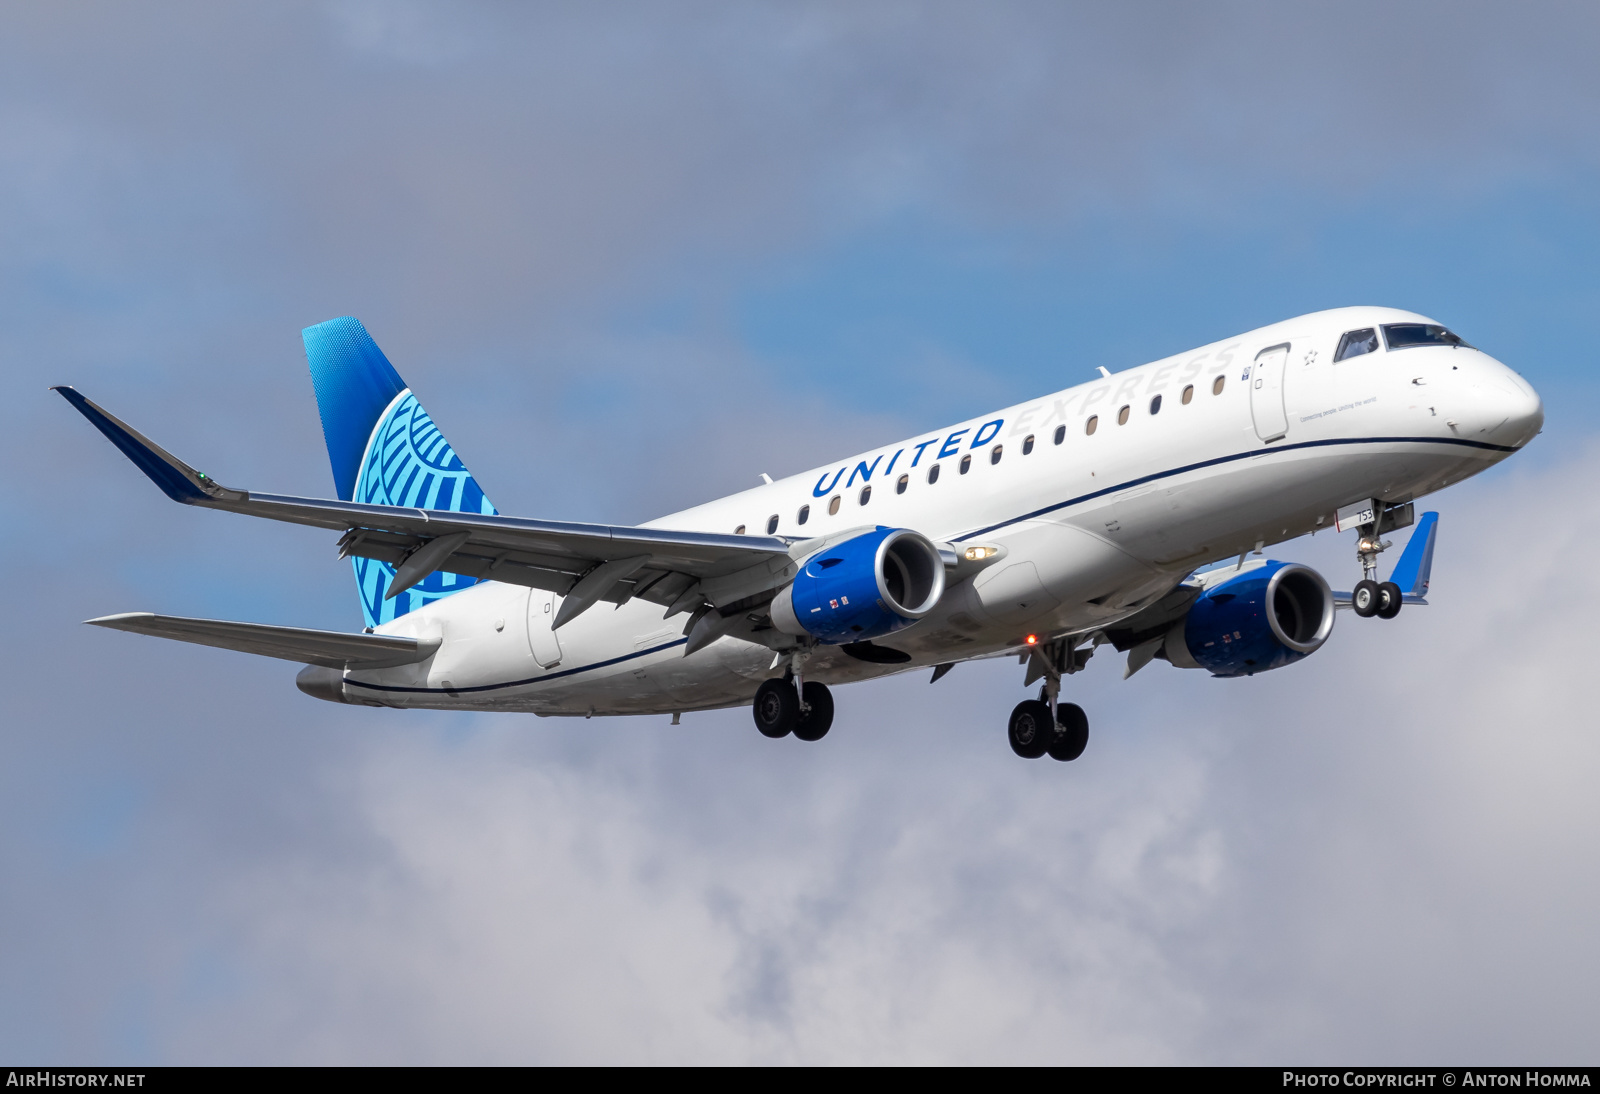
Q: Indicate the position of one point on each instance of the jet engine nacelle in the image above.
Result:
(1263, 619)
(862, 588)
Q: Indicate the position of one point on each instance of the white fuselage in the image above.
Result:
(1273, 438)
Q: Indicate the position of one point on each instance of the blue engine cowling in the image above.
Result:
(1263, 619)
(862, 588)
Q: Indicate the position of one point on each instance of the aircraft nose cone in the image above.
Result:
(1496, 406)
(1518, 410)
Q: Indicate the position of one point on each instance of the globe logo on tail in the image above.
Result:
(409, 463)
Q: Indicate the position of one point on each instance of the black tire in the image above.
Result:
(1365, 598)
(1031, 729)
(1072, 735)
(813, 724)
(776, 708)
(1390, 600)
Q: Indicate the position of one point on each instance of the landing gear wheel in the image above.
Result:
(813, 724)
(1072, 732)
(1390, 598)
(1031, 729)
(777, 708)
(1365, 598)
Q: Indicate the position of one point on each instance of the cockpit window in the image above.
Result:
(1356, 342)
(1405, 335)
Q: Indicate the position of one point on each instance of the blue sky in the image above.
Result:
(1513, 269)
(628, 263)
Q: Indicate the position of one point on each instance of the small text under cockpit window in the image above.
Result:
(1356, 342)
(1406, 335)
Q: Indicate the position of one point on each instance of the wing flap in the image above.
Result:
(331, 649)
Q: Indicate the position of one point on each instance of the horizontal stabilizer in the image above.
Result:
(331, 649)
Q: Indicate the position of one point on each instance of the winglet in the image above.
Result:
(1411, 573)
(177, 480)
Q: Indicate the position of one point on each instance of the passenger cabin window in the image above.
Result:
(1188, 394)
(833, 505)
(804, 514)
(1216, 385)
(994, 454)
(1061, 433)
(1406, 335)
(1027, 444)
(739, 531)
(1091, 425)
(1155, 405)
(772, 524)
(900, 487)
(866, 495)
(966, 463)
(933, 474)
(1122, 415)
(1356, 342)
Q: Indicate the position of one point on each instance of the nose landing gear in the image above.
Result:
(1389, 600)
(1370, 598)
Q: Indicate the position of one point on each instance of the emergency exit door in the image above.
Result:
(1266, 392)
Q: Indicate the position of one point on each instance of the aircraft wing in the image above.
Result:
(332, 649)
(585, 563)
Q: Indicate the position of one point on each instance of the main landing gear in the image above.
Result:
(1033, 731)
(1043, 727)
(790, 705)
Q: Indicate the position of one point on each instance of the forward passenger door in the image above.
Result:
(1266, 392)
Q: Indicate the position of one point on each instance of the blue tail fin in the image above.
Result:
(385, 450)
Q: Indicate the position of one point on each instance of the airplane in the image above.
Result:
(1132, 511)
